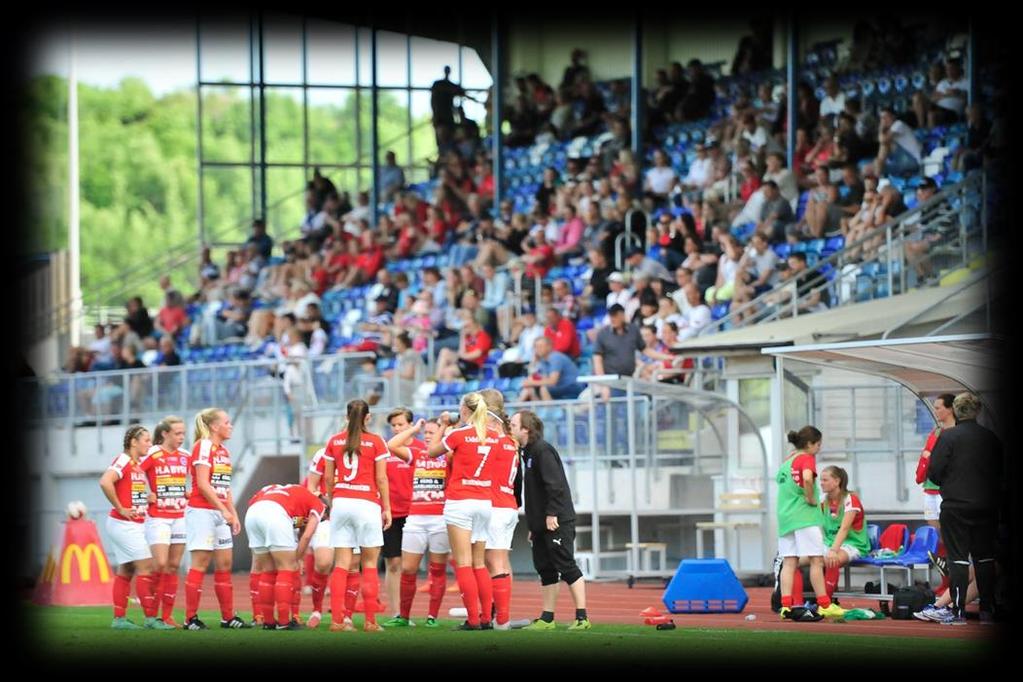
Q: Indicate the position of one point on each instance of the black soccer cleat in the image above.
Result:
(235, 623)
(269, 626)
(291, 625)
(489, 625)
(194, 623)
(466, 626)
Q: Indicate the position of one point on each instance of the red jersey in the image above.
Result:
(355, 476)
(130, 487)
(482, 342)
(399, 483)
(799, 463)
(316, 466)
(563, 338)
(218, 459)
(167, 473)
(504, 467)
(469, 478)
(297, 501)
(429, 478)
(924, 463)
(853, 504)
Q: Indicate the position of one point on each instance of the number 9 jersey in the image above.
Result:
(355, 475)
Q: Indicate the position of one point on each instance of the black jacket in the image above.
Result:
(546, 486)
(968, 464)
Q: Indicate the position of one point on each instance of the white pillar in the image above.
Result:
(74, 242)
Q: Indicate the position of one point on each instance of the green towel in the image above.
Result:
(863, 614)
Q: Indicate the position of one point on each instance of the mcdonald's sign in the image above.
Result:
(84, 559)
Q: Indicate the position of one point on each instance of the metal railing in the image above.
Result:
(952, 205)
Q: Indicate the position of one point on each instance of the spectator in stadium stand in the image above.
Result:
(750, 180)
(616, 348)
(591, 114)
(815, 213)
(641, 263)
(702, 265)
(384, 286)
(168, 356)
(618, 293)
(597, 287)
(700, 96)
(683, 278)
(655, 355)
(550, 518)
(138, 317)
(369, 261)
(696, 316)
(968, 464)
(538, 254)
(775, 213)
(231, 321)
(833, 103)
(554, 375)
(570, 235)
(378, 323)
(263, 241)
(473, 348)
(757, 270)
(850, 192)
(495, 292)
(575, 72)
(563, 300)
(408, 367)
(807, 107)
(947, 102)
(658, 182)
(561, 332)
(807, 283)
(99, 349)
(898, 149)
(172, 317)
(253, 267)
(851, 147)
(442, 102)
(754, 133)
(392, 178)
(525, 330)
(700, 173)
(315, 337)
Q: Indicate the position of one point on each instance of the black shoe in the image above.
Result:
(292, 625)
(489, 625)
(269, 626)
(466, 626)
(940, 563)
(235, 623)
(194, 623)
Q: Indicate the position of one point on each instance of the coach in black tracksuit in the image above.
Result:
(967, 462)
(550, 518)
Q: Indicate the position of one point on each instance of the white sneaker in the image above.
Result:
(500, 626)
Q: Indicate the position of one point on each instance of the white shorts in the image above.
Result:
(355, 523)
(424, 534)
(932, 507)
(853, 553)
(206, 529)
(126, 541)
(471, 515)
(803, 542)
(502, 528)
(321, 538)
(269, 527)
(165, 531)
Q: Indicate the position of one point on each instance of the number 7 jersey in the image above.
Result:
(473, 472)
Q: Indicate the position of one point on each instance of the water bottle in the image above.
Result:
(751, 616)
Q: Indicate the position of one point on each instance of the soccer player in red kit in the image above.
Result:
(360, 510)
(320, 559)
(166, 469)
(274, 514)
(425, 530)
(504, 467)
(468, 505)
(211, 519)
(399, 484)
(124, 484)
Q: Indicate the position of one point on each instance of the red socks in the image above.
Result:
(502, 597)
(254, 580)
(338, 585)
(831, 579)
(122, 588)
(438, 583)
(318, 581)
(168, 593)
(370, 592)
(486, 590)
(267, 585)
(797, 586)
(193, 590)
(296, 594)
(225, 593)
(352, 592)
(284, 592)
(145, 586)
(470, 593)
(408, 593)
(309, 564)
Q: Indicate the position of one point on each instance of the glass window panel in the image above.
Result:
(417, 174)
(224, 49)
(365, 146)
(282, 49)
(392, 59)
(332, 126)
(474, 73)
(392, 124)
(476, 111)
(365, 57)
(284, 125)
(330, 52)
(429, 57)
(227, 203)
(424, 141)
(226, 124)
(285, 200)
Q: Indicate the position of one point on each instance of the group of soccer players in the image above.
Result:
(453, 491)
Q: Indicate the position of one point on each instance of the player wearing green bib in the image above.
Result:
(800, 539)
(932, 494)
(845, 527)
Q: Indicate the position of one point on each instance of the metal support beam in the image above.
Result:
(262, 116)
(637, 95)
(198, 129)
(791, 64)
(496, 105)
(374, 130)
(971, 63)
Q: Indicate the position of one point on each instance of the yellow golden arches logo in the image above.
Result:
(84, 557)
